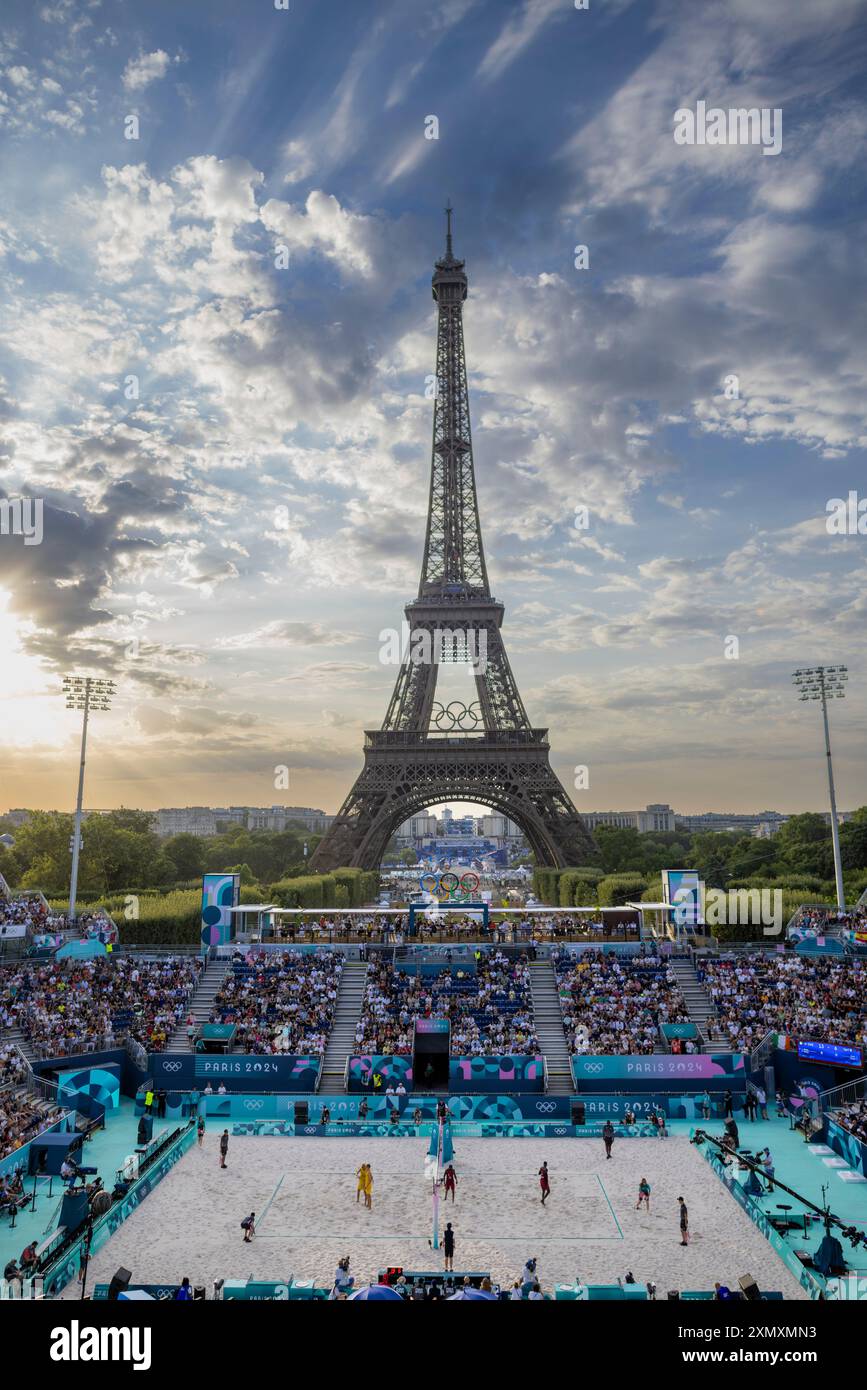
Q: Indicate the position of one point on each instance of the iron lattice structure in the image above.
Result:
(487, 752)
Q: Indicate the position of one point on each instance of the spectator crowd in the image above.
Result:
(32, 911)
(280, 1001)
(814, 997)
(64, 1007)
(489, 1008)
(820, 919)
(22, 1117)
(613, 1004)
(853, 1117)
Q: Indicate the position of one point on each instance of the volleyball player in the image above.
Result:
(544, 1183)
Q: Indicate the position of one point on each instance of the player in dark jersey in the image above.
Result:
(544, 1183)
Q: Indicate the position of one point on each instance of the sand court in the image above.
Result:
(403, 1201)
(303, 1191)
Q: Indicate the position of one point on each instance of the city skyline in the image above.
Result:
(230, 543)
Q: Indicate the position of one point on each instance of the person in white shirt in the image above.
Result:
(343, 1280)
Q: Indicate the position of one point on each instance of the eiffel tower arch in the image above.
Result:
(488, 751)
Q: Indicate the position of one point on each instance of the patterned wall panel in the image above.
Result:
(219, 893)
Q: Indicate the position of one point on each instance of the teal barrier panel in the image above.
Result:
(679, 1030)
(259, 1290)
(66, 1268)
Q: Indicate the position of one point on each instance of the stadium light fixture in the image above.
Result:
(827, 683)
(89, 695)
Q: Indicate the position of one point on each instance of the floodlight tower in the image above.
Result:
(85, 693)
(827, 683)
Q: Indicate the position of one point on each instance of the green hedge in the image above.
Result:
(308, 890)
(161, 933)
(361, 885)
(616, 889)
(545, 883)
(577, 887)
(342, 888)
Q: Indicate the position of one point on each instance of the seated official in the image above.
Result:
(69, 1170)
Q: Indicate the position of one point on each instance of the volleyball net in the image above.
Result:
(437, 1183)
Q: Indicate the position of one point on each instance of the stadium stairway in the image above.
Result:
(341, 1039)
(201, 1003)
(17, 1039)
(697, 1000)
(548, 1019)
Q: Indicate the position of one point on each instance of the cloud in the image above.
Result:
(518, 33)
(281, 633)
(140, 72)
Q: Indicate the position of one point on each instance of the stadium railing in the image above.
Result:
(36, 1084)
(845, 1094)
(762, 1054)
(136, 1053)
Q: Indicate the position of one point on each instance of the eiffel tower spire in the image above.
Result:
(454, 593)
(487, 752)
(453, 554)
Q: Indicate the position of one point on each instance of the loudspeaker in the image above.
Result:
(674, 1294)
(199, 1292)
(119, 1282)
(750, 1289)
(145, 1130)
(579, 1112)
(302, 1112)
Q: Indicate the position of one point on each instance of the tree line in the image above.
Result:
(121, 852)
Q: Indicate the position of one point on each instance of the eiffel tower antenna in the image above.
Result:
(425, 753)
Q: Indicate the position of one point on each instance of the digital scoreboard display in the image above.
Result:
(832, 1054)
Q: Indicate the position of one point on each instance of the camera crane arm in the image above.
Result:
(829, 1219)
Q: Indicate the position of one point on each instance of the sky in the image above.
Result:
(218, 223)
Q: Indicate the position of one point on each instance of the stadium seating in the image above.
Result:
(614, 1004)
(490, 1009)
(65, 1007)
(823, 998)
(280, 1001)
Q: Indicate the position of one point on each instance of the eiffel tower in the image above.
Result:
(487, 752)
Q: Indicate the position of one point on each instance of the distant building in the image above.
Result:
(766, 829)
(747, 824)
(186, 820)
(204, 820)
(417, 827)
(654, 817)
(488, 833)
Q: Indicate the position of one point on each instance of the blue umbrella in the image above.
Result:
(376, 1293)
(472, 1296)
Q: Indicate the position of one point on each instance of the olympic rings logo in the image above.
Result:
(592, 1068)
(253, 1104)
(546, 1107)
(448, 884)
(172, 1066)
